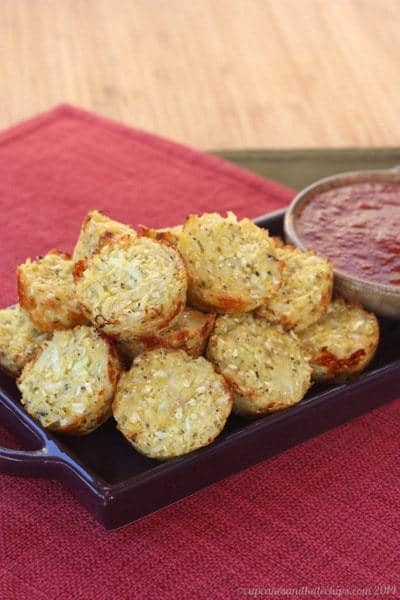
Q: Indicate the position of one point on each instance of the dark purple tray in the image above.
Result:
(118, 485)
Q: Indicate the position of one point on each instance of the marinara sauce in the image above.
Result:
(357, 227)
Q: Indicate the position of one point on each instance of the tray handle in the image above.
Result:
(48, 459)
(27, 463)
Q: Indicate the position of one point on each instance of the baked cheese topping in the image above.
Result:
(97, 228)
(168, 234)
(132, 287)
(265, 365)
(46, 291)
(189, 331)
(19, 338)
(232, 265)
(169, 403)
(70, 383)
(306, 289)
(343, 342)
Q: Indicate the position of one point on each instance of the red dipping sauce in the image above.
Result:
(356, 226)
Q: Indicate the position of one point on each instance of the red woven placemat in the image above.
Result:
(324, 514)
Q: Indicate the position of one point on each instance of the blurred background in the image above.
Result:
(215, 74)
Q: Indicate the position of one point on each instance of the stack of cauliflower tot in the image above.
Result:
(121, 328)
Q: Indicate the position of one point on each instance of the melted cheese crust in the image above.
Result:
(96, 229)
(306, 290)
(46, 291)
(170, 404)
(168, 234)
(132, 287)
(19, 338)
(189, 331)
(232, 265)
(265, 365)
(342, 343)
(69, 384)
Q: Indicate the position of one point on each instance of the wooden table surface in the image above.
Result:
(211, 73)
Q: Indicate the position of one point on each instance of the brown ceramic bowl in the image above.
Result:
(381, 299)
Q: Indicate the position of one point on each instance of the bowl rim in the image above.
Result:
(340, 179)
